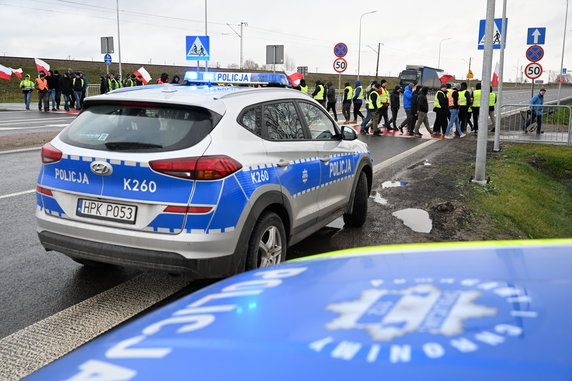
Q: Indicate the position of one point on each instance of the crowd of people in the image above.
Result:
(454, 105)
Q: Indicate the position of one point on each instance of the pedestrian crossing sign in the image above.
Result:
(498, 34)
(198, 48)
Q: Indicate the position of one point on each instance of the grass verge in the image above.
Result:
(530, 194)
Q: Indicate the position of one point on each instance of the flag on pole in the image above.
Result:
(42, 66)
(294, 77)
(5, 72)
(144, 74)
(495, 80)
(17, 72)
(444, 77)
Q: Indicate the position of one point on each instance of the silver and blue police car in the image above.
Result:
(212, 180)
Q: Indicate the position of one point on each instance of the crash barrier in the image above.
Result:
(519, 123)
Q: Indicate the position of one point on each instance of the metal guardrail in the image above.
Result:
(520, 124)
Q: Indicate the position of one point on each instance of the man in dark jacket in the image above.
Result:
(331, 97)
(347, 101)
(407, 101)
(78, 85)
(441, 108)
(372, 114)
(454, 109)
(394, 103)
(465, 102)
(67, 91)
(413, 121)
(422, 110)
(58, 79)
(51, 89)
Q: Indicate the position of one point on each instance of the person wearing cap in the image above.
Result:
(27, 87)
(347, 101)
(319, 93)
(422, 111)
(77, 85)
(536, 112)
(454, 109)
(441, 108)
(394, 103)
(358, 97)
(331, 99)
(384, 99)
(372, 105)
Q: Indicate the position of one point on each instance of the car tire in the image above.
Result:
(267, 244)
(356, 218)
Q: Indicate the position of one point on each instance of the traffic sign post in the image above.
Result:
(534, 53)
(535, 36)
(340, 65)
(107, 61)
(198, 48)
(533, 70)
(498, 34)
(340, 50)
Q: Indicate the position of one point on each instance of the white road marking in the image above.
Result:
(32, 127)
(35, 120)
(33, 347)
(402, 155)
(17, 194)
(21, 150)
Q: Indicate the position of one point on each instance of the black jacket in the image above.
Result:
(414, 96)
(331, 94)
(443, 101)
(422, 105)
(394, 99)
(51, 82)
(66, 85)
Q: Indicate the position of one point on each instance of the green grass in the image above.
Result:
(528, 194)
(560, 116)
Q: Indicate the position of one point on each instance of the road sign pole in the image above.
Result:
(562, 58)
(481, 154)
(496, 145)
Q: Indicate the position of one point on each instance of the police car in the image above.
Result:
(461, 311)
(208, 179)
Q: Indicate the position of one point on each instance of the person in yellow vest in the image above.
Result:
(358, 101)
(319, 93)
(347, 101)
(27, 87)
(303, 87)
(42, 87)
(492, 103)
(464, 104)
(372, 105)
(454, 109)
(476, 106)
(384, 100)
(441, 108)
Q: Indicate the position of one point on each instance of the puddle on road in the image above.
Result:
(416, 219)
(380, 200)
(338, 223)
(426, 163)
(393, 184)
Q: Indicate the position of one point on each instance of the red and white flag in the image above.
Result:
(144, 74)
(42, 66)
(294, 77)
(5, 72)
(495, 80)
(444, 77)
(17, 72)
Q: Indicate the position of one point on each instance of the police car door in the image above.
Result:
(295, 160)
(336, 158)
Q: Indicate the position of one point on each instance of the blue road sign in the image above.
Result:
(535, 36)
(198, 48)
(498, 33)
(534, 53)
(341, 49)
(563, 70)
(107, 59)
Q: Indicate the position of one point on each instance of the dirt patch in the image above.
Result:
(10, 142)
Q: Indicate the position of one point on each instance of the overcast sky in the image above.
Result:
(410, 30)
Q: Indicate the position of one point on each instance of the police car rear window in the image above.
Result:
(135, 128)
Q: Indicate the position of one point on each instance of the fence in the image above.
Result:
(520, 124)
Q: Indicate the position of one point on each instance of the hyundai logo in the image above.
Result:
(102, 168)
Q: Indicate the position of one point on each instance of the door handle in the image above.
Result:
(325, 159)
(283, 163)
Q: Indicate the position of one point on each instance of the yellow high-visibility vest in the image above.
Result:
(350, 93)
(320, 95)
(492, 99)
(477, 98)
(384, 96)
(462, 98)
(304, 89)
(360, 95)
(436, 103)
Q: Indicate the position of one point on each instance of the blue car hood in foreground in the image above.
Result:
(496, 310)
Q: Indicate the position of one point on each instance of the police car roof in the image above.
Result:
(210, 97)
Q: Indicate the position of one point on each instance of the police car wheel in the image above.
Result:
(267, 244)
(359, 211)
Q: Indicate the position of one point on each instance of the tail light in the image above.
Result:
(197, 168)
(43, 190)
(50, 154)
(188, 209)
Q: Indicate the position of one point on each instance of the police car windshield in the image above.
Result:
(135, 127)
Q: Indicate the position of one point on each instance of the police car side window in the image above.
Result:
(321, 127)
(282, 122)
(251, 120)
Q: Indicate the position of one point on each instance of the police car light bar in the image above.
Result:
(235, 78)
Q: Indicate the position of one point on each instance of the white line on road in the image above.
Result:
(33, 347)
(17, 194)
(21, 150)
(402, 155)
(32, 127)
(34, 120)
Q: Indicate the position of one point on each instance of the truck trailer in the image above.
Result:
(420, 75)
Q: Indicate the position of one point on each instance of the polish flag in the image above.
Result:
(42, 66)
(5, 72)
(17, 72)
(144, 74)
(294, 77)
(495, 80)
(444, 78)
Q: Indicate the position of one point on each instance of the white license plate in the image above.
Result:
(106, 211)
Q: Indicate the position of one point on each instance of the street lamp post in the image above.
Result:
(359, 42)
(376, 51)
(563, 46)
(439, 60)
(119, 40)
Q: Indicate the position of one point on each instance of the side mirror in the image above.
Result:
(348, 133)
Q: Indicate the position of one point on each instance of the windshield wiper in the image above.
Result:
(130, 145)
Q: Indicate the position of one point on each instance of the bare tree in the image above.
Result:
(233, 66)
(289, 63)
(250, 65)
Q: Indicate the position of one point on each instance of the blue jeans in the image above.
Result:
(52, 97)
(454, 119)
(367, 119)
(77, 99)
(67, 101)
(27, 96)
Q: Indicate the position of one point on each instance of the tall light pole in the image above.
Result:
(239, 35)
(359, 42)
(119, 40)
(206, 34)
(377, 51)
(439, 60)
(563, 46)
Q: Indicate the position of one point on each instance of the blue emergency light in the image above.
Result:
(214, 78)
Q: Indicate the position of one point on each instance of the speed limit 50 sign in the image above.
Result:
(340, 65)
(533, 70)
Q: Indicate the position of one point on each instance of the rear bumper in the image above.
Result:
(136, 257)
